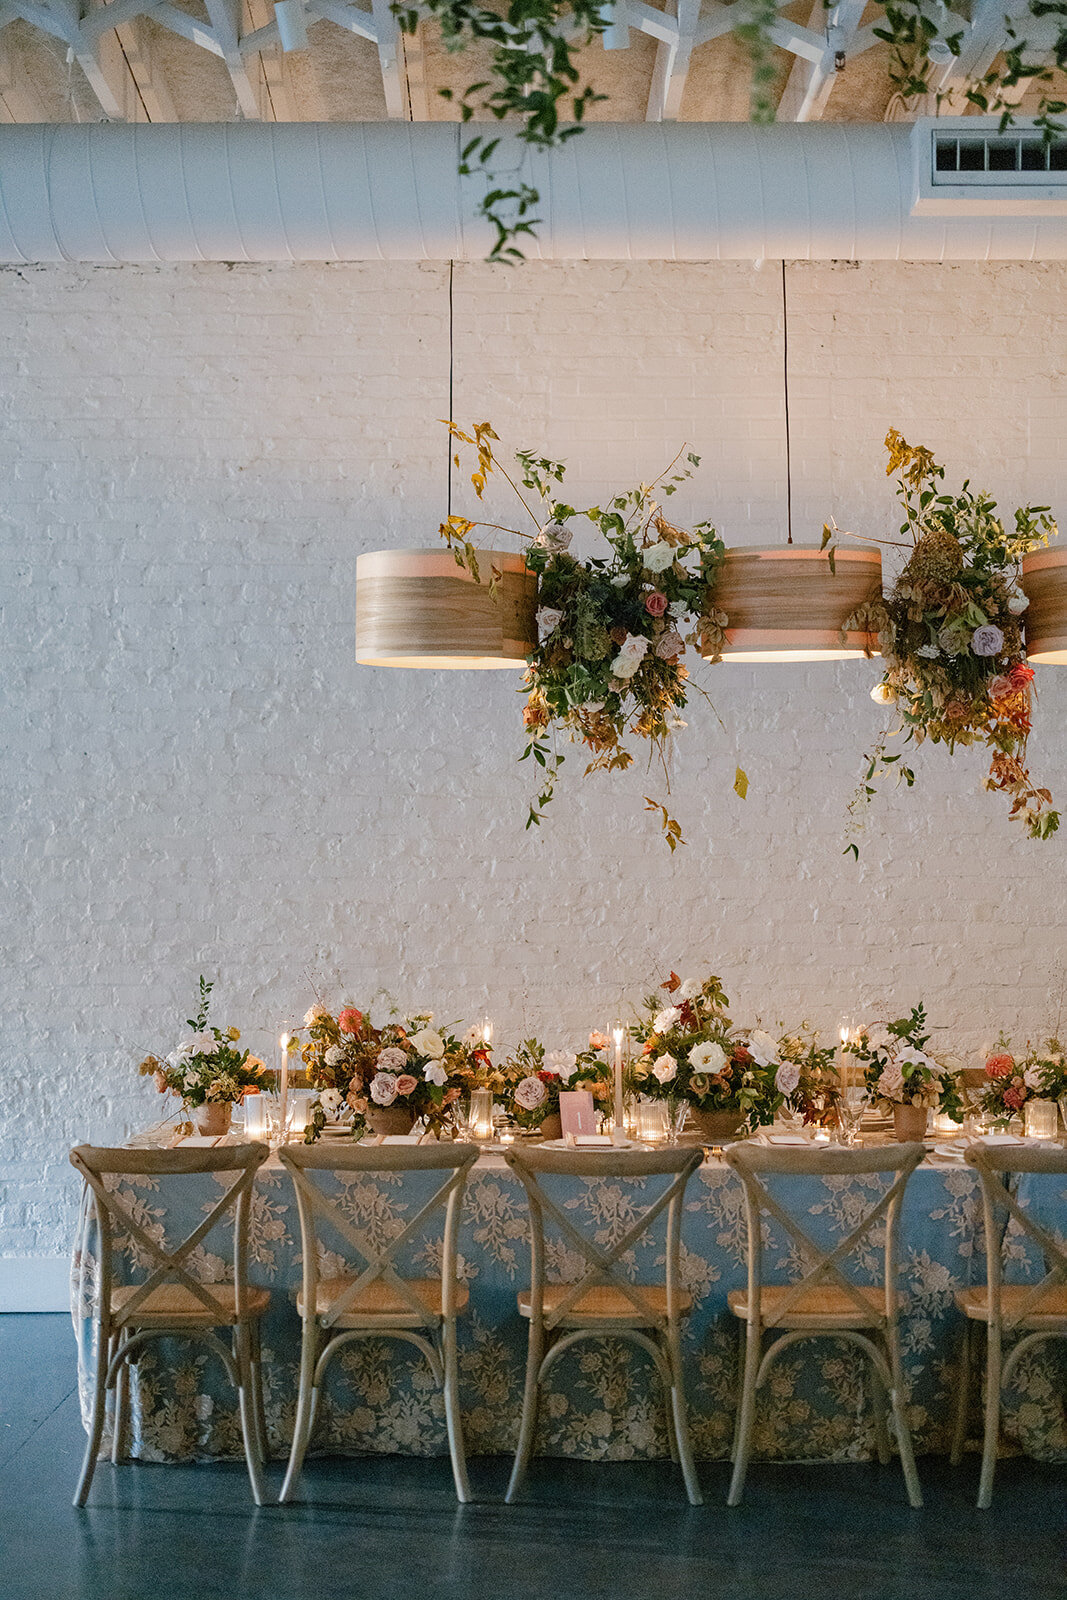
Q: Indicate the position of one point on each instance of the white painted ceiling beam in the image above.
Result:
(272, 63)
(672, 66)
(389, 57)
(352, 18)
(225, 17)
(811, 83)
(616, 35)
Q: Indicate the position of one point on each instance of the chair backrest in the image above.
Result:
(604, 1259)
(379, 1259)
(753, 1163)
(165, 1265)
(994, 1164)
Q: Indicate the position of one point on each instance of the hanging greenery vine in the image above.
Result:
(613, 629)
(534, 80)
(950, 631)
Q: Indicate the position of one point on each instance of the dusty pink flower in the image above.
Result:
(405, 1083)
(1000, 1066)
(669, 644)
(391, 1059)
(350, 1020)
(598, 1041)
(1015, 1098)
(655, 603)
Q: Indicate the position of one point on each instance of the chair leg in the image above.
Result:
(305, 1405)
(900, 1421)
(992, 1416)
(453, 1415)
(739, 1378)
(246, 1399)
(880, 1403)
(746, 1415)
(681, 1418)
(528, 1423)
(672, 1434)
(96, 1425)
(257, 1391)
(122, 1399)
(963, 1396)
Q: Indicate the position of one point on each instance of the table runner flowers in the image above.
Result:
(534, 1079)
(898, 1070)
(1040, 1074)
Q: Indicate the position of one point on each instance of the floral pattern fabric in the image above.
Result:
(602, 1400)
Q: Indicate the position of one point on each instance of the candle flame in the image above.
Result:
(284, 1041)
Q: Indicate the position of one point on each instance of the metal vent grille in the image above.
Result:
(998, 158)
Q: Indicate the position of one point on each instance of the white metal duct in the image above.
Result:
(390, 191)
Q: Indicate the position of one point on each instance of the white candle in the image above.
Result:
(487, 1033)
(619, 1135)
(283, 1086)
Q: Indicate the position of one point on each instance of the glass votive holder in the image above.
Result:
(1041, 1119)
(257, 1117)
(480, 1115)
(651, 1120)
(944, 1125)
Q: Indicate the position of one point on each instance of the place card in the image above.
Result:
(577, 1112)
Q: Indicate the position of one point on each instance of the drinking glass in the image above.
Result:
(850, 1109)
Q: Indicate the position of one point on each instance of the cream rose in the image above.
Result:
(709, 1057)
(762, 1047)
(658, 557)
(665, 1068)
(428, 1043)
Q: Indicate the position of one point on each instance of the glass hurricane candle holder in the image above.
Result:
(651, 1121)
(1040, 1119)
(257, 1117)
(481, 1115)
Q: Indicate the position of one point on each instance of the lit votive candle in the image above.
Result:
(1041, 1119)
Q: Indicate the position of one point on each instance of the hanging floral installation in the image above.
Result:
(950, 631)
(613, 630)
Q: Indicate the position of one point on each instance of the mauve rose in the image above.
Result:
(655, 603)
(405, 1083)
(383, 1088)
(391, 1059)
(987, 640)
(669, 644)
(1000, 1066)
(530, 1093)
(1001, 686)
(1016, 1098)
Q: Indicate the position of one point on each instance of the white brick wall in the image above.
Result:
(197, 778)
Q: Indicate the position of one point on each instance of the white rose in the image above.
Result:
(548, 621)
(1017, 603)
(315, 1014)
(392, 1059)
(658, 557)
(787, 1077)
(664, 1020)
(665, 1068)
(530, 1093)
(762, 1047)
(428, 1043)
(383, 1088)
(710, 1057)
(332, 1101)
(631, 654)
(434, 1072)
(561, 1063)
(689, 990)
(1033, 1077)
(890, 1083)
(554, 536)
(334, 1055)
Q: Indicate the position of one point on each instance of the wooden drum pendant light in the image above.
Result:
(1044, 582)
(417, 608)
(784, 603)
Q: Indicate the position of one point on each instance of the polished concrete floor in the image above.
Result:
(389, 1529)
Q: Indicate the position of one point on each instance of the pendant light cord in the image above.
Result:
(785, 390)
(451, 374)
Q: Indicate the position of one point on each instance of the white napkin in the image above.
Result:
(787, 1138)
(1001, 1138)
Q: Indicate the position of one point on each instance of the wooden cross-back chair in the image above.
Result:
(604, 1301)
(1037, 1311)
(171, 1300)
(375, 1301)
(824, 1302)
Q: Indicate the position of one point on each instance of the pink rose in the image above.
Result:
(1015, 1098)
(669, 644)
(598, 1041)
(405, 1083)
(1001, 687)
(655, 603)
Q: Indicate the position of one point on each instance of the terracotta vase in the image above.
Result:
(552, 1126)
(717, 1127)
(213, 1118)
(392, 1119)
(909, 1123)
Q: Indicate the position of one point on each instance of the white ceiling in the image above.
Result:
(220, 60)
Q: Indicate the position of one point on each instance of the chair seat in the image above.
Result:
(1050, 1310)
(177, 1304)
(379, 1302)
(821, 1306)
(603, 1303)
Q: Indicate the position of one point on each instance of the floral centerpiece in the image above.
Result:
(613, 630)
(383, 1078)
(817, 1092)
(690, 1056)
(535, 1082)
(1041, 1074)
(901, 1076)
(951, 634)
(207, 1070)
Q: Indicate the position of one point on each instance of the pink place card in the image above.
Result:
(576, 1112)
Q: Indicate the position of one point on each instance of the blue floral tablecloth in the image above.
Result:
(602, 1402)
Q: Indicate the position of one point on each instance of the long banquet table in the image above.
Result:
(602, 1401)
